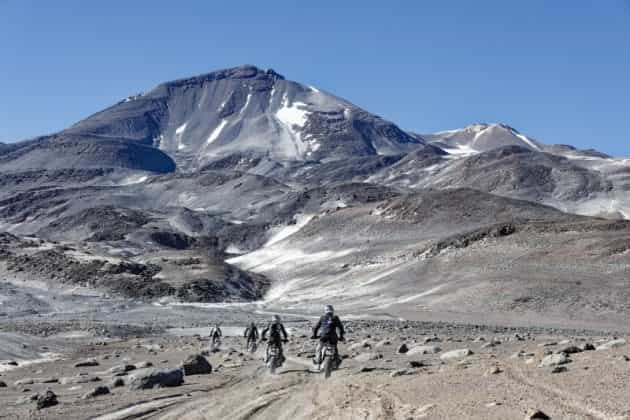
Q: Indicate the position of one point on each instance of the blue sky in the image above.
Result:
(558, 71)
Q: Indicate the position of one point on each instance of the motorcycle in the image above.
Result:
(252, 346)
(273, 357)
(215, 344)
(326, 358)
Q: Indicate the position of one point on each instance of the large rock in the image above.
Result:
(120, 370)
(536, 415)
(456, 354)
(554, 360)
(48, 399)
(196, 364)
(3, 384)
(423, 350)
(402, 349)
(155, 378)
(612, 344)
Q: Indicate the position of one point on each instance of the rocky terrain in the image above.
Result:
(391, 370)
(236, 194)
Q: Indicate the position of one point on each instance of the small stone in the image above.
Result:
(365, 357)
(416, 363)
(143, 365)
(400, 372)
(99, 390)
(494, 370)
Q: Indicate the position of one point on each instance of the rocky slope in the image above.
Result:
(242, 185)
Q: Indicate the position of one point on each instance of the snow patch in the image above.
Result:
(294, 115)
(461, 149)
(249, 97)
(217, 131)
(133, 179)
(286, 231)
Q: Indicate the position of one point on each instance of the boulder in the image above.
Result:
(86, 363)
(416, 363)
(152, 378)
(48, 399)
(402, 349)
(3, 384)
(117, 382)
(99, 390)
(423, 350)
(586, 347)
(196, 364)
(612, 344)
(554, 360)
(79, 379)
(558, 369)
(570, 350)
(120, 370)
(536, 415)
(456, 354)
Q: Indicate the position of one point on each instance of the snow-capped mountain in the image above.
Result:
(242, 110)
(478, 138)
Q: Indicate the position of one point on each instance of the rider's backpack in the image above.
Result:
(327, 326)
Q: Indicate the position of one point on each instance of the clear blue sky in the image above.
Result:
(558, 71)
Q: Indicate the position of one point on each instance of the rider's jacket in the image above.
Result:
(251, 333)
(276, 332)
(216, 332)
(329, 324)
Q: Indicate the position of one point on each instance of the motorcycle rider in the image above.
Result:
(329, 324)
(251, 333)
(216, 334)
(277, 335)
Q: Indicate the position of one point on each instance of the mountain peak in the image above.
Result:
(246, 71)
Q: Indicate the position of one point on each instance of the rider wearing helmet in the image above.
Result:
(251, 333)
(216, 333)
(329, 324)
(277, 335)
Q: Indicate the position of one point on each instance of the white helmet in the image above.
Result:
(328, 309)
(276, 318)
